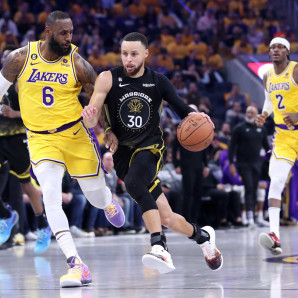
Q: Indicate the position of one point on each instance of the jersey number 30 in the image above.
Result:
(47, 97)
(280, 104)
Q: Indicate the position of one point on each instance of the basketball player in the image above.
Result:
(13, 148)
(281, 92)
(133, 100)
(50, 76)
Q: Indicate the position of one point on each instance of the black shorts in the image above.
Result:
(14, 150)
(124, 154)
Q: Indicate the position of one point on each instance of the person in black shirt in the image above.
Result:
(246, 143)
(13, 148)
(133, 95)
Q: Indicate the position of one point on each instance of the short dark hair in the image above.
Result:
(10, 47)
(136, 36)
(56, 15)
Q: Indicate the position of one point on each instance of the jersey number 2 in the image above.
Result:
(47, 97)
(280, 104)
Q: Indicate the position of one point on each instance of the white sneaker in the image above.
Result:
(78, 233)
(213, 256)
(30, 236)
(262, 222)
(158, 259)
(270, 242)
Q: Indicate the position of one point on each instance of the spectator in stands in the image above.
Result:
(234, 114)
(255, 37)
(165, 60)
(177, 50)
(153, 63)
(169, 19)
(24, 18)
(206, 22)
(193, 96)
(179, 84)
(137, 9)
(199, 47)
(236, 96)
(224, 134)
(10, 24)
(242, 46)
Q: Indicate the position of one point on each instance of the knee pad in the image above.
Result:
(136, 186)
(96, 191)
(155, 189)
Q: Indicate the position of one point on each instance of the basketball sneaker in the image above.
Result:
(43, 240)
(213, 256)
(270, 242)
(6, 225)
(78, 274)
(158, 259)
(115, 214)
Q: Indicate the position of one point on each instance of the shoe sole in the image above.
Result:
(266, 242)
(211, 233)
(72, 283)
(155, 263)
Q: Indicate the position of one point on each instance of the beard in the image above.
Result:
(57, 49)
(250, 120)
(130, 74)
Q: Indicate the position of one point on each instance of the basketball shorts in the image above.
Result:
(285, 145)
(75, 148)
(124, 156)
(14, 150)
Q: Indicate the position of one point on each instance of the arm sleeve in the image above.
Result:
(268, 107)
(265, 140)
(170, 95)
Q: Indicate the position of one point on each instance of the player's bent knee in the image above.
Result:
(99, 198)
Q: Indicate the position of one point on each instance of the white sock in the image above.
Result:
(250, 215)
(66, 243)
(244, 218)
(260, 215)
(274, 220)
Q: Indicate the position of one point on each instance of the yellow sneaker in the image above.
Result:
(78, 274)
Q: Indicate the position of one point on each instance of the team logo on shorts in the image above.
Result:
(33, 56)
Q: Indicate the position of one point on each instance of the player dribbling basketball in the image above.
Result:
(133, 99)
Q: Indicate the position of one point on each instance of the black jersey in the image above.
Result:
(133, 105)
(11, 126)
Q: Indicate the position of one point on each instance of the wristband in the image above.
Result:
(108, 128)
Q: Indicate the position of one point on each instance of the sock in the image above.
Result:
(274, 220)
(41, 221)
(199, 235)
(4, 213)
(250, 215)
(66, 243)
(72, 260)
(260, 216)
(159, 238)
(243, 217)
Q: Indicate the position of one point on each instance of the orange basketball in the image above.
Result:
(195, 133)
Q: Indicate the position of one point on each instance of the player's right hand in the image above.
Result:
(90, 116)
(260, 120)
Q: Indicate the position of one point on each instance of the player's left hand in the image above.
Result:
(202, 115)
(7, 111)
(111, 141)
(290, 118)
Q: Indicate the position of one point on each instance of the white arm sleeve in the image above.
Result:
(4, 85)
(268, 107)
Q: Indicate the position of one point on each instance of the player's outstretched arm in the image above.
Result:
(102, 87)
(12, 66)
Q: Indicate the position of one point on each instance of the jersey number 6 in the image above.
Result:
(47, 97)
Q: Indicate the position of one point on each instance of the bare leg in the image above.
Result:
(34, 196)
(152, 221)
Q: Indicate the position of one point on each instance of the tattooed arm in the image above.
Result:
(14, 63)
(85, 74)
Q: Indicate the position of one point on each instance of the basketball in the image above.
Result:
(195, 133)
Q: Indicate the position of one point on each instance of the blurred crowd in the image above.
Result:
(189, 42)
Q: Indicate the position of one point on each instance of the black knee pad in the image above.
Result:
(136, 182)
(155, 189)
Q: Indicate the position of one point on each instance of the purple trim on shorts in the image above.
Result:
(59, 129)
(94, 138)
(283, 126)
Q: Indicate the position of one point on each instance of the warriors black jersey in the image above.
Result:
(133, 105)
(11, 126)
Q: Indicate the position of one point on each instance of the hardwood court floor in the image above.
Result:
(117, 270)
